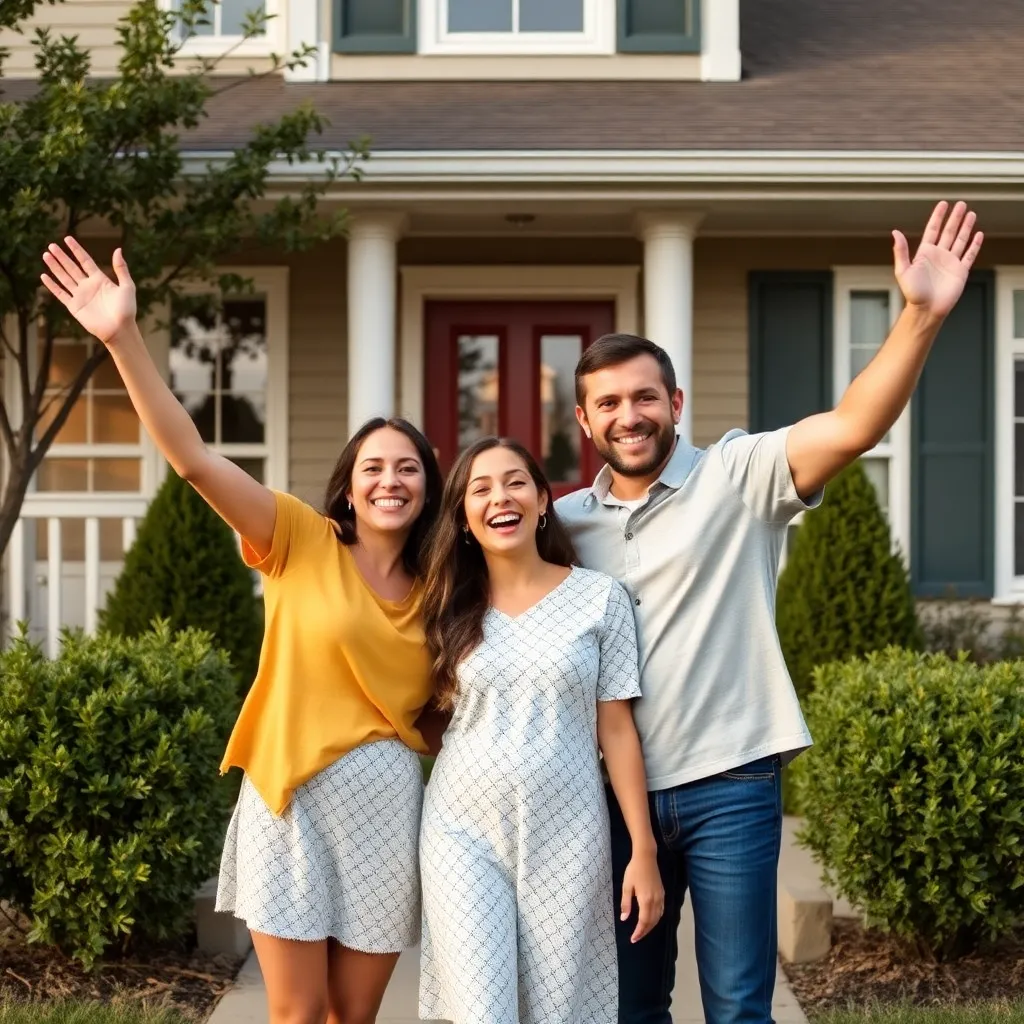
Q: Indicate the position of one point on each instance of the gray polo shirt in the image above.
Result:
(700, 559)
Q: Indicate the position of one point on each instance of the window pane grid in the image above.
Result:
(515, 17)
(226, 18)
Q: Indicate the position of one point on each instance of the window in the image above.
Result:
(517, 26)
(226, 365)
(867, 303)
(225, 27)
(99, 447)
(1009, 378)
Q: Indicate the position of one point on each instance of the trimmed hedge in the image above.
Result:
(914, 793)
(112, 810)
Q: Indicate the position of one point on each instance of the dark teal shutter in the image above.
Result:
(790, 347)
(953, 519)
(375, 26)
(659, 26)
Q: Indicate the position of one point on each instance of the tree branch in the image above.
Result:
(75, 389)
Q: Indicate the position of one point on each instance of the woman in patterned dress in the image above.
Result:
(320, 858)
(537, 658)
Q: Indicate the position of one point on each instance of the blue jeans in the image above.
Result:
(718, 837)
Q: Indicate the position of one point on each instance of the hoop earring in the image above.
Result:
(543, 521)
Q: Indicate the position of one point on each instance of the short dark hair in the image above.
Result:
(615, 349)
(336, 504)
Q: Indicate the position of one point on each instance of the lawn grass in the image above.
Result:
(75, 1011)
(982, 1013)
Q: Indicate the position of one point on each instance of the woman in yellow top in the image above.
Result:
(320, 859)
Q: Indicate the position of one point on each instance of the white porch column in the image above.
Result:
(372, 300)
(668, 294)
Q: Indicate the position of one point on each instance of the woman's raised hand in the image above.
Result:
(100, 305)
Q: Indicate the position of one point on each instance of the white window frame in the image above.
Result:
(598, 35)
(897, 450)
(272, 283)
(1009, 588)
(259, 46)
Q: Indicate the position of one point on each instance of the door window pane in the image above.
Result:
(478, 388)
(550, 15)
(559, 433)
(480, 16)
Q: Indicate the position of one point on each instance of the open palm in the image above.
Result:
(934, 280)
(100, 305)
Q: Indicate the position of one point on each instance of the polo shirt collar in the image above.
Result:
(673, 476)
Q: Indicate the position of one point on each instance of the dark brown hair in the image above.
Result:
(336, 499)
(615, 349)
(457, 593)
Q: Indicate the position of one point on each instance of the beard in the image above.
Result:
(664, 441)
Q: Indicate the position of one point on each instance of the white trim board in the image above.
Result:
(898, 449)
(665, 166)
(1009, 588)
(618, 283)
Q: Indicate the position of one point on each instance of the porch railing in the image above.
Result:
(24, 569)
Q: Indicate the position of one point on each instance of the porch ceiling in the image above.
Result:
(808, 215)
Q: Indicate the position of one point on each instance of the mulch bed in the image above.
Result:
(179, 977)
(867, 967)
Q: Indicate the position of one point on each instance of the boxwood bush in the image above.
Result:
(112, 810)
(914, 793)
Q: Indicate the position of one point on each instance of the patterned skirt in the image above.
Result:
(341, 862)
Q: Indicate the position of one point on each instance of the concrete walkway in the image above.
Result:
(246, 1002)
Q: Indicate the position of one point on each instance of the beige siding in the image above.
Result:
(94, 23)
(317, 393)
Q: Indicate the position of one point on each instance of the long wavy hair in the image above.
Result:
(457, 592)
(338, 487)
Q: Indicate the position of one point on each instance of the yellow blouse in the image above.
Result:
(340, 665)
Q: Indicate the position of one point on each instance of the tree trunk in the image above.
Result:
(18, 480)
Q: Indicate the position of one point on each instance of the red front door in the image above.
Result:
(507, 368)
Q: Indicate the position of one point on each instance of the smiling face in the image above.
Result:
(388, 482)
(503, 504)
(631, 416)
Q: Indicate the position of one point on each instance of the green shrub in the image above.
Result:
(112, 810)
(914, 793)
(843, 592)
(185, 567)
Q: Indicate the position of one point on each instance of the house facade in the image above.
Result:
(721, 176)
